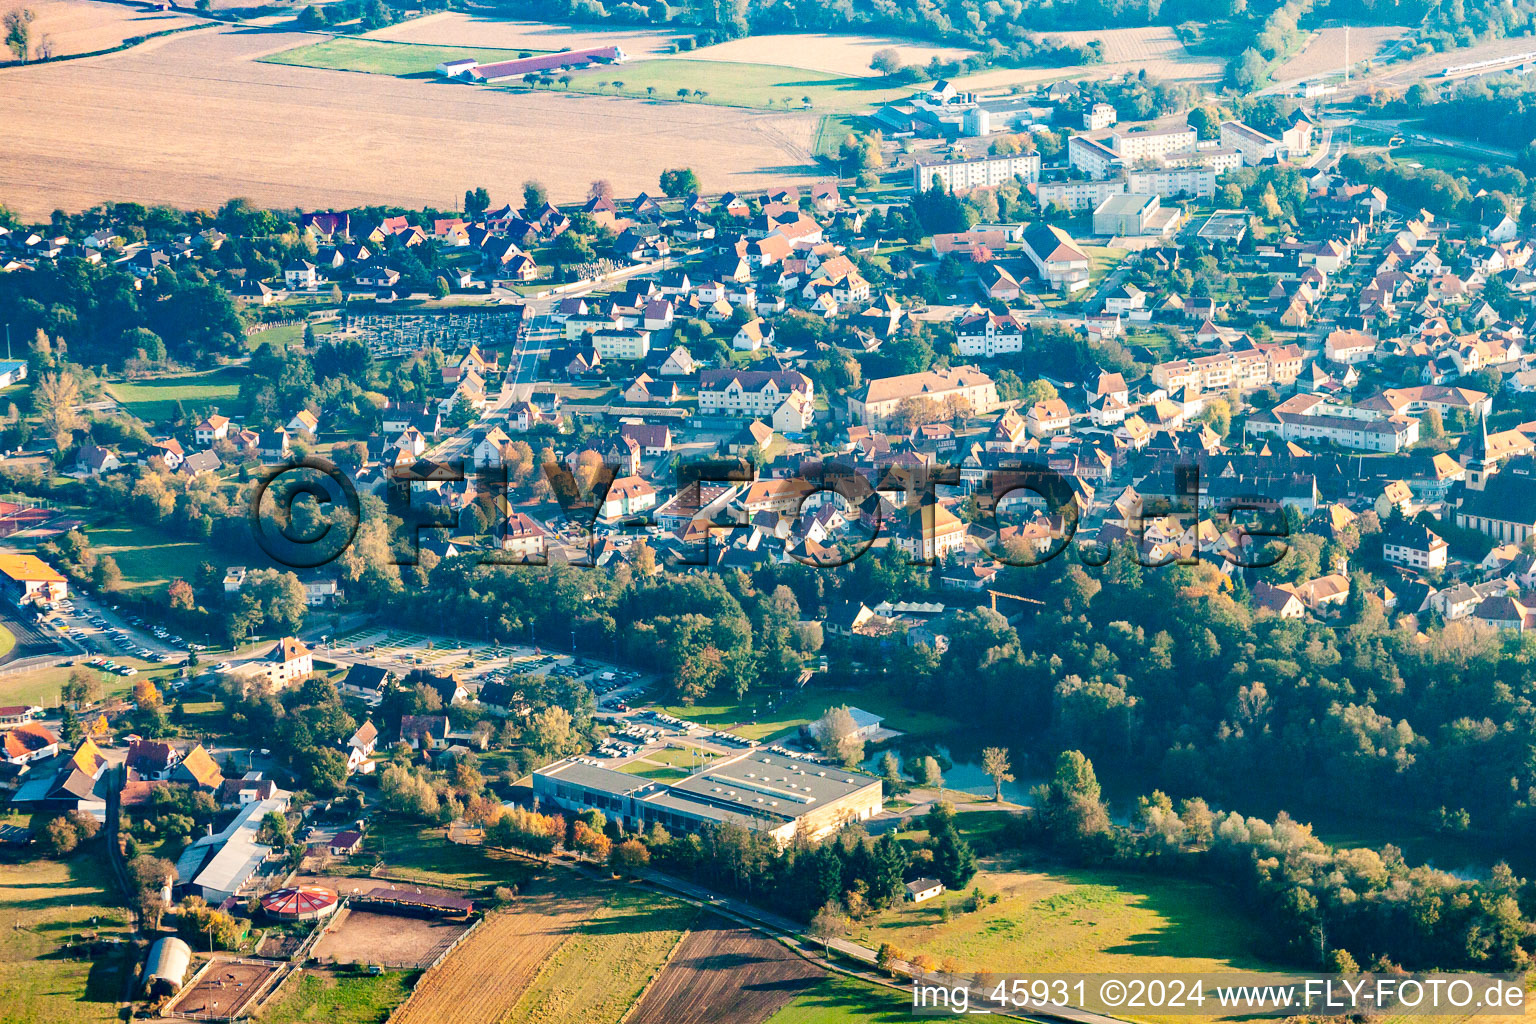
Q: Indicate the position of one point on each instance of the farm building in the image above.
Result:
(569, 60)
(166, 969)
(301, 903)
(457, 68)
(413, 901)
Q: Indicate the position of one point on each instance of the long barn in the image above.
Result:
(568, 60)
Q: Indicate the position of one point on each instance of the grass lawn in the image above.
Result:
(1079, 921)
(339, 998)
(1102, 259)
(45, 904)
(425, 856)
(764, 86)
(842, 1000)
(755, 721)
(647, 771)
(831, 130)
(155, 399)
(41, 686)
(284, 335)
(598, 973)
(383, 57)
(147, 556)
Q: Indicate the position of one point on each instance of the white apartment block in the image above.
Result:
(1225, 371)
(1154, 145)
(1078, 195)
(622, 344)
(1255, 146)
(1092, 158)
(979, 172)
(1172, 182)
(989, 334)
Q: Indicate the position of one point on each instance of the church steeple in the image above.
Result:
(1478, 465)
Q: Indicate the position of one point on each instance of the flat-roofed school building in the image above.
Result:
(761, 791)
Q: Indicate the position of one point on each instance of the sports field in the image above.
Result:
(378, 57)
(155, 399)
(147, 556)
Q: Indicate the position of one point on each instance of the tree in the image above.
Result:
(18, 32)
(535, 195)
(928, 775)
(440, 287)
(829, 923)
(994, 762)
(476, 202)
(602, 188)
(630, 856)
(679, 181)
(146, 695)
(682, 94)
(954, 862)
(54, 399)
(837, 736)
(886, 61)
(275, 831)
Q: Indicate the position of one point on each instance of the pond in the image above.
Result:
(963, 772)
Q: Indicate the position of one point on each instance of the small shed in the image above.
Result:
(922, 889)
(345, 843)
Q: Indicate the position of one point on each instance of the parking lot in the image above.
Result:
(401, 651)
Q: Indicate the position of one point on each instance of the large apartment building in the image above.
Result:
(1093, 158)
(1313, 418)
(977, 172)
(1255, 146)
(987, 334)
(755, 393)
(1152, 145)
(877, 402)
(1224, 371)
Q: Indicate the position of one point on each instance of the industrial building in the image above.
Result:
(762, 791)
(1133, 215)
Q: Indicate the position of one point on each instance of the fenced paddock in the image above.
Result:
(359, 936)
(225, 989)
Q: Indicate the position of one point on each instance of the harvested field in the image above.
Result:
(225, 988)
(1154, 48)
(367, 937)
(1324, 52)
(816, 51)
(455, 29)
(723, 974)
(344, 53)
(191, 120)
(485, 977)
(82, 26)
